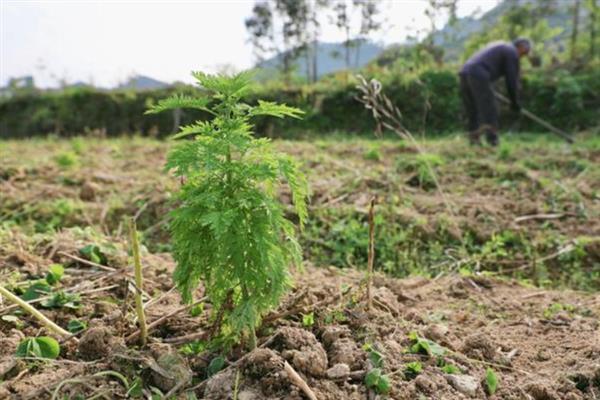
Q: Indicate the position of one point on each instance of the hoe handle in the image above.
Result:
(539, 120)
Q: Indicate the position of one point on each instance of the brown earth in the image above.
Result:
(542, 344)
(537, 349)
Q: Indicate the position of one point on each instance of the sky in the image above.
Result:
(105, 42)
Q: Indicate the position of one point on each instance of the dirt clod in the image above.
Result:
(266, 367)
(88, 191)
(97, 343)
(480, 347)
(346, 351)
(424, 384)
(540, 391)
(220, 386)
(172, 369)
(302, 349)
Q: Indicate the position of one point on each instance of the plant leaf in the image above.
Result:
(54, 274)
(491, 381)
(42, 347)
(372, 377)
(179, 101)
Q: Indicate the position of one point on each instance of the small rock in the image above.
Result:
(338, 371)
(465, 384)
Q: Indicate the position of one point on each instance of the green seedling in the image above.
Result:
(491, 381)
(62, 299)
(425, 346)
(373, 154)
(93, 253)
(136, 389)
(377, 381)
(36, 290)
(193, 348)
(308, 320)
(66, 159)
(55, 274)
(76, 326)
(230, 230)
(451, 369)
(40, 347)
(412, 369)
(216, 364)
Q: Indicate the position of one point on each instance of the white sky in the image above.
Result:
(104, 42)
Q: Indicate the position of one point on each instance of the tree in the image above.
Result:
(361, 13)
(594, 19)
(433, 11)
(369, 10)
(575, 30)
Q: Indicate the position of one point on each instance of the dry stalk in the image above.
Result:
(371, 258)
(388, 116)
(35, 313)
(139, 281)
(298, 381)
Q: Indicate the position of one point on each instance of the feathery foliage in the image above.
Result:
(230, 231)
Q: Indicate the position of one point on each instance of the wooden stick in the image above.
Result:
(87, 262)
(371, 258)
(139, 281)
(542, 216)
(298, 381)
(35, 313)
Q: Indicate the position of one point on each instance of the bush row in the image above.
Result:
(430, 102)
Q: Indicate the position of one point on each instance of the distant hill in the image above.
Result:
(141, 82)
(330, 58)
(453, 37)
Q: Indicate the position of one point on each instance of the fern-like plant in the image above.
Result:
(230, 230)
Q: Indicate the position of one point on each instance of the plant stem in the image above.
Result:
(371, 258)
(139, 281)
(252, 331)
(34, 312)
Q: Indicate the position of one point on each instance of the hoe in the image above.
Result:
(539, 120)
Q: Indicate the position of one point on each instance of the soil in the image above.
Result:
(498, 324)
(540, 343)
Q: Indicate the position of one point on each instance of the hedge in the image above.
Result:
(429, 101)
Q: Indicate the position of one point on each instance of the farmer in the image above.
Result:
(476, 78)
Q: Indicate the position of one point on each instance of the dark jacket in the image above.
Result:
(496, 60)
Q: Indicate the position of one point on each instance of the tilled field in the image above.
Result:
(64, 202)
